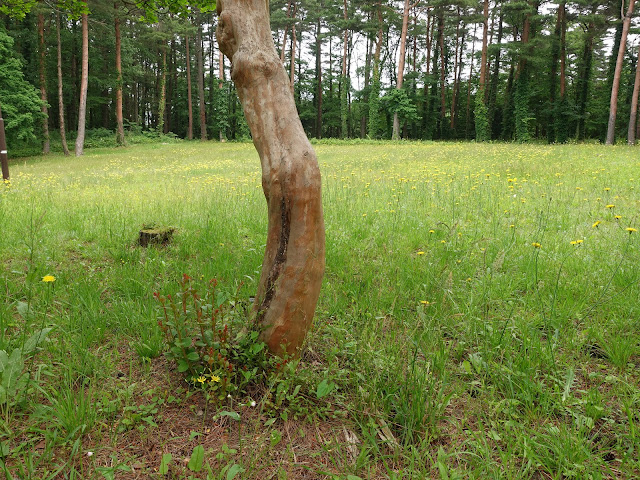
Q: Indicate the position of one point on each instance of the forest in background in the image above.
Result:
(501, 70)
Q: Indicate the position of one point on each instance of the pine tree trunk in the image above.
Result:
(403, 45)
(319, 80)
(200, 60)
(374, 97)
(283, 43)
(485, 36)
(292, 68)
(189, 96)
(468, 117)
(563, 49)
(119, 117)
(631, 134)
(162, 101)
(63, 134)
(452, 120)
(613, 107)
(293, 264)
(495, 77)
(46, 145)
(443, 90)
(84, 86)
(344, 81)
(4, 160)
(367, 75)
(223, 137)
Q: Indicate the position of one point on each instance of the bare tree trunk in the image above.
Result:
(613, 108)
(631, 134)
(119, 117)
(403, 45)
(46, 145)
(563, 49)
(4, 160)
(162, 101)
(84, 86)
(319, 80)
(63, 134)
(293, 264)
(223, 137)
(468, 117)
(283, 43)
(344, 133)
(200, 61)
(452, 122)
(485, 32)
(443, 91)
(293, 50)
(189, 99)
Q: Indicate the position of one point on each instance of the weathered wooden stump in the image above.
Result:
(155, 236)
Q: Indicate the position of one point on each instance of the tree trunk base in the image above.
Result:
(155, 236)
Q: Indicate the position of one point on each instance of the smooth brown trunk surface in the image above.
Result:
(613, 107)
(631, 133)
(119, 117)
(46, 145)
(63, 133)
(189, 100)
(84, 85)
(293, 264)
(200, 60)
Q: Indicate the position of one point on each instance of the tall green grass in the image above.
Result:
(479, 316)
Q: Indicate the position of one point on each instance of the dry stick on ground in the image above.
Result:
(293, 263)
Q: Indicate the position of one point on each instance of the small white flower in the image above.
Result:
(89, 454)
(253, 403)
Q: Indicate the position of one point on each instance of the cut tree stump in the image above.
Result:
(155, 236)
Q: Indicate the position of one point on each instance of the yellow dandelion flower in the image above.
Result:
(512, 226)
(536, 245)
(618, 217)
(596, 224)
(631, 229)
(420, 253)
(425, 302)
(443, 241)
(48, 278)
(432, 231)
(611, 206)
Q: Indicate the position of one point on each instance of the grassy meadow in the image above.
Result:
(479, 318)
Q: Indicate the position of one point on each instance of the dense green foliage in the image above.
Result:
(479, 315)
(19, 100)
(438, 100)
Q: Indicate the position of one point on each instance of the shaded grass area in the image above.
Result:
(479, 316)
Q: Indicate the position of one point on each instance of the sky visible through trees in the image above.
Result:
(485, 70)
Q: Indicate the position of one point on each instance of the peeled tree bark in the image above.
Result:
(293, 264)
